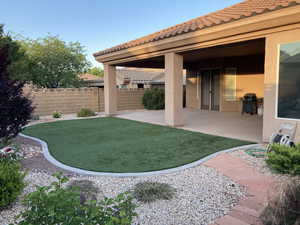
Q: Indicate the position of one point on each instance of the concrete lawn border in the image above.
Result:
(55, 162)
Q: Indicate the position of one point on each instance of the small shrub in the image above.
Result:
(56, 114)
(88, 191)
(35, 117)
(154, 99)
(284, 209)
(284, 159)
(11, 182)
(55, 204)
(84, 112)
(151, 191)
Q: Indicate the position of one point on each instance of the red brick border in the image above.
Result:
(256, 184)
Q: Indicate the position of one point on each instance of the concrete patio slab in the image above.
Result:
(226, 124)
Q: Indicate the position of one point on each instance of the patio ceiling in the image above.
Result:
(252, 47)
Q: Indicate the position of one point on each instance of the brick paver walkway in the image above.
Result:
(258, 187)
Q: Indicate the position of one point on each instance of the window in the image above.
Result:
(289, 81)
(230, 84)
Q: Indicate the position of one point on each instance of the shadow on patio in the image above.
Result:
(226, 124)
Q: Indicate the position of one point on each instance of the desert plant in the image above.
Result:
(56, 204)
(88, 191)
(15, 108)
(154, 99)
(56, 114)
(85, 112)
(11, 182)
(284, 208)
(35, 117)
(284, 159)
(151, 191)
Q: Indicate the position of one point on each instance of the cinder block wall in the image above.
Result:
(71, 100)
(130, 99)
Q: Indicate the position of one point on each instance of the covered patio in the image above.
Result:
(226, 124)
(217, 79)
(227, 55)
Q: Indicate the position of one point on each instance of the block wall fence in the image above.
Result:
(71, 100)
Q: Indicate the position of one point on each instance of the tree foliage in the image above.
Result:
(53, 63)
(15, 108)
(97, 71)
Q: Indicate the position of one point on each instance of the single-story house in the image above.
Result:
(91, 80)
(139, 78)
(250, 47)
(130, 78)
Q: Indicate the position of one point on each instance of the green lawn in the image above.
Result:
(119, 145)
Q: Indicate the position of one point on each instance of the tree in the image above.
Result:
(54, 63)
(15, 108)
(98, 71)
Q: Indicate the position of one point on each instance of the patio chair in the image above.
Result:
(284, 136)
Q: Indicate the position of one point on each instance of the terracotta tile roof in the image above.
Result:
(136, 75)
(89, 77)
(238, 11)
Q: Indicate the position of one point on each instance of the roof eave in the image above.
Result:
(291, 15)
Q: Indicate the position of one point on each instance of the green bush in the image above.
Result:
(11, 182)
(84, 112)
(151, 191)
(55, 204)
(284, 159)
(154, 99)
(56, 114)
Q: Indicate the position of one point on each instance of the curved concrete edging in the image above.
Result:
(55, 162)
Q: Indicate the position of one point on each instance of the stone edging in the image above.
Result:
(55, 162)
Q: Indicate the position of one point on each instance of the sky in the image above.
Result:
(100, 24)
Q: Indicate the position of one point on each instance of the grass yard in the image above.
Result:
(120, 145)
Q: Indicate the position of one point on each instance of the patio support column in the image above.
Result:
(110, 90)
(173, 89)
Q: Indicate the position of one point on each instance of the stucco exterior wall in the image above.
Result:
(249, 79)
(271, 122)
(192, 97)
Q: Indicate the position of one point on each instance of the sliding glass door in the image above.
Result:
(210, 90)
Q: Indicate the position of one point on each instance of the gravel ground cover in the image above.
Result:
(202, 194)
(258, 163)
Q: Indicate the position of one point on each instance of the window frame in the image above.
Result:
(235, 98)
(277, 82)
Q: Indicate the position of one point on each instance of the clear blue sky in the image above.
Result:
(100, 24)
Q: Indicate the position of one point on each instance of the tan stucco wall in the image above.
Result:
(249, 79)
(192, 100)
(271, 123)
(71, 100)
(245, 83)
